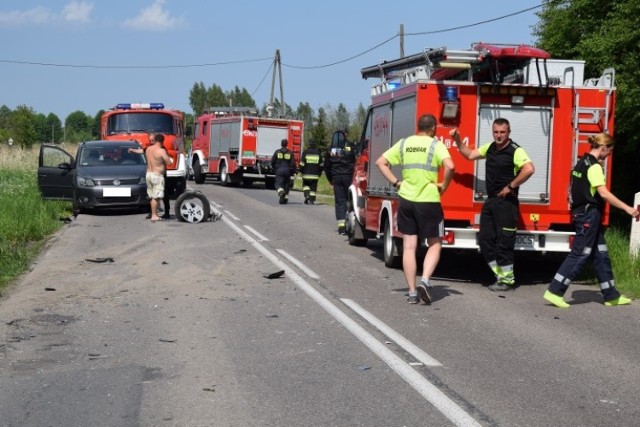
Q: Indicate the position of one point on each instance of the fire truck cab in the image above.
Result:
(552, 111)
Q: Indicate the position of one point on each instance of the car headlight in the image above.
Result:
(85, 182)
(142, 181)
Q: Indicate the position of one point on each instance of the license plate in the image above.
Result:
(524, 241)
(116, 192)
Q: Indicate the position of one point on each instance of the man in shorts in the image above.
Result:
(157, 161)
(420, 215)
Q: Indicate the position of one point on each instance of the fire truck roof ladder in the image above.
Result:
(425, 61)
(231, 111)
(593, 115)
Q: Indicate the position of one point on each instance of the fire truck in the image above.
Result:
(552, 110)
(235, 145)
(140, 121)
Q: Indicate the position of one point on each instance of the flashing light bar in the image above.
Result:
(140, 106)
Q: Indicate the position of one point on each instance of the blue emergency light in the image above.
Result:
(139, 106)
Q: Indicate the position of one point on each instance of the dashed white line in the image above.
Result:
(430, 392)
(299, 264)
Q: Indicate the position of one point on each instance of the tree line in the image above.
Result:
(25, 127)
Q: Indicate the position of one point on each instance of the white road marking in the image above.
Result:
(232, 215)
(299, 264)
(410, 347)
(256, 233)
(430, 392)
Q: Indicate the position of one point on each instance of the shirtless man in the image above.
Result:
(157, 161)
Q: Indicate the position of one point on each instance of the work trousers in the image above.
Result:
(341, 185)
(283, 182)
(310, 186)
(498, 225)
(588, 245)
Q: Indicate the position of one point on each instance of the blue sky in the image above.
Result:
(94, 46)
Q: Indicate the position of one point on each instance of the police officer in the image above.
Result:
(284, 165)
(588, 195)
(338, 167)
(310, 169)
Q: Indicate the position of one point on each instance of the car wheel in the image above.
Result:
(391, 248)
(193, 207)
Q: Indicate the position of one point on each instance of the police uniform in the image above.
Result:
(499, 215)
(338, 167)
(283, 164)
(420, 212)
(587, 208)
(311, 169)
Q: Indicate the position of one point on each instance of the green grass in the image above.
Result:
(626, 268)
(25, 221)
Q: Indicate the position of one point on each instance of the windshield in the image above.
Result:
(111, 155)
(140, 122)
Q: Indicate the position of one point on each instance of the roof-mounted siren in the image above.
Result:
(140, 106)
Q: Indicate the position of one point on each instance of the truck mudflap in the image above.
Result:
(532, 241)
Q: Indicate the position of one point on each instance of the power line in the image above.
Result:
(301, 67)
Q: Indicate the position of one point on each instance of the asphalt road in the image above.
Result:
(124, 322)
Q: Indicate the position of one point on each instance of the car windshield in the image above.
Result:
(109, 155)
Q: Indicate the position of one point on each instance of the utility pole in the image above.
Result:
(401, 40)
(277, 67)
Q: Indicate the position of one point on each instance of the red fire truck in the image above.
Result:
(139, 122)
(552, 111)
(236, 145)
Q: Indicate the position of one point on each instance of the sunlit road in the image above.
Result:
(183, 328)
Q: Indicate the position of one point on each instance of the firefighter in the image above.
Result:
(310, 169)
(284, 166)
(420, 216)
(338, 167)
(507, 167)
(588, 195)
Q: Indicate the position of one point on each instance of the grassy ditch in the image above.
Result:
(26, 222)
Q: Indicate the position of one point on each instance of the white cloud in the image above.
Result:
(77, 11)
(37, 15)
(154, 18)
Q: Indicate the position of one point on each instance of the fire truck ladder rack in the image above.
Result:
(426, 61)
(590, 116)
(230, 111)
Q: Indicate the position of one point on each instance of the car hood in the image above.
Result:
(112, 171)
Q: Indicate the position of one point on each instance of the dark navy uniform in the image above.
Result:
(284, 165)
(338, 166)
(587, 208)
(311, 169)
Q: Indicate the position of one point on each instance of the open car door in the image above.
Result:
(55, 173)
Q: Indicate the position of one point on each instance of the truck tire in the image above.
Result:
(198, 176)
(355, 230)
(225, 178)
(392, 251)
(193, 207)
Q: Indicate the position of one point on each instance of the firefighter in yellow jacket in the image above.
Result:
(310, 169)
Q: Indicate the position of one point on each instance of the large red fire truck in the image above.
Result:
(235, 145)
(552, 111)
(139, 121)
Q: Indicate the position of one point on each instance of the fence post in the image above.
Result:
(634, 241)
